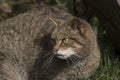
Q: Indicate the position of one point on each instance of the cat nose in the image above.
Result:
(56, 48)
(55, 51)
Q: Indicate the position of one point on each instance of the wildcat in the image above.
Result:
(47, 44)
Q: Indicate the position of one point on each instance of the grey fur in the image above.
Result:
(24, 40)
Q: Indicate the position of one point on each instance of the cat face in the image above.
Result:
(66, 47)
(69, 40)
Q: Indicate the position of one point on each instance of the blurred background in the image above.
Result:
(110, 58)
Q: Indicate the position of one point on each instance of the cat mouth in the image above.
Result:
(70, 56)
(61, 56)
(64, 54)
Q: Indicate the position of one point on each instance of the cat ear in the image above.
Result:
(83, 27)
(56, 22)
(78, 24)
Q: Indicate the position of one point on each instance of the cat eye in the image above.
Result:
(65, 40)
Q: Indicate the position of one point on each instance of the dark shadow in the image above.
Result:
(41, 70)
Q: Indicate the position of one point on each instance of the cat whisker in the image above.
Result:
(47, 51)
(50, 59)
(68, 61)
(71, 59)
(47, 54)
(79, 60)
(47, 63)
(76, 58)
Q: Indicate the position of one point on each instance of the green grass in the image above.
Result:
(109, 68)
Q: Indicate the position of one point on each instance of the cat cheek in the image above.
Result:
(80, 47)
(76, 46)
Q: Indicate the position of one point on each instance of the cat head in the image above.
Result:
(74, 39)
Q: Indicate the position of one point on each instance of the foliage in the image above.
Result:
(109, 68)
(110, 63)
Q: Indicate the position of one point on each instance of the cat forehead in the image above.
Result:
(64, 30)
(59, 34)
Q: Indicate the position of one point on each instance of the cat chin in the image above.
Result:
(62, 57)
(64, 54)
